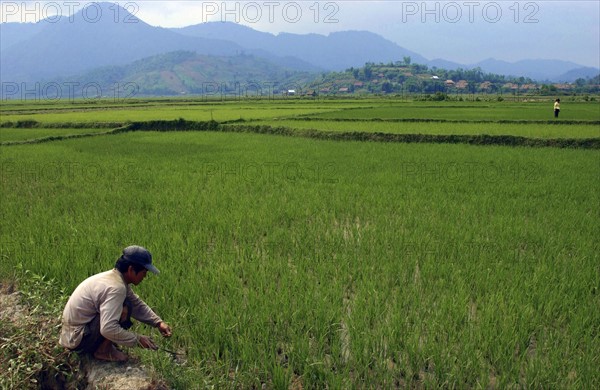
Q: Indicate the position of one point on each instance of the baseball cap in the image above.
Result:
(140, 255)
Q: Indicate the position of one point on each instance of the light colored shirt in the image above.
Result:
(556, 105)
(103, 295)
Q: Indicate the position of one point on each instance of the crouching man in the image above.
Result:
(98, 313)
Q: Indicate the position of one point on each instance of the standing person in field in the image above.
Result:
(97, 315)
(556, 108)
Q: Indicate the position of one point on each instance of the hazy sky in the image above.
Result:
(461, 31)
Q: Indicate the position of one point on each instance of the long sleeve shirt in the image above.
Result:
(103, 295)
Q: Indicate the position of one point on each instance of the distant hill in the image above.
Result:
(52, 50)
(12, 34)
(242, 35)
(539, 70)
(45, 50)
(72, 46)
(184, 72)
(336, 51)
(579, 73)
(444, 64)
(536, 69)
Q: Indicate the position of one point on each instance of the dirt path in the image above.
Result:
(101, 375)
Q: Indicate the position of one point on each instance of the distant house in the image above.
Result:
(325, 90)
(449, 83)
(359, 84)
(485, 85)
(291, 92)
(435, 78)
(462, 84)
(344, 90)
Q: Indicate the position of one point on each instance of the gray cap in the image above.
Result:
(139, 255)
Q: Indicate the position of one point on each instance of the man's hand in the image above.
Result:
(164, 329)
(146, 342)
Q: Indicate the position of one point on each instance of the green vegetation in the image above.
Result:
(469, 111)
(293, 261)
(30, 357)
(402, 77)
(184, 72)
(447, 128)
(15, 134)
(200, 111)
(95, 111)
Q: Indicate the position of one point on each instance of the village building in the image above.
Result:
(485, 85)
(462, 84)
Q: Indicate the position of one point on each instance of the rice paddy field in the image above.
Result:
(297, 262)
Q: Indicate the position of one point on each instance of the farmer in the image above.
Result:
(98, 312)
(556, 108)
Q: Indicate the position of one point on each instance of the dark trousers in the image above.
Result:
(556, 113)
(92, 338)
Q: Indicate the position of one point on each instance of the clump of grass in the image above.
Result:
(20, 124)
(30, 356)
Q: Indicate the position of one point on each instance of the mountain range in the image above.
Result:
(337, 51)
(51, 50)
